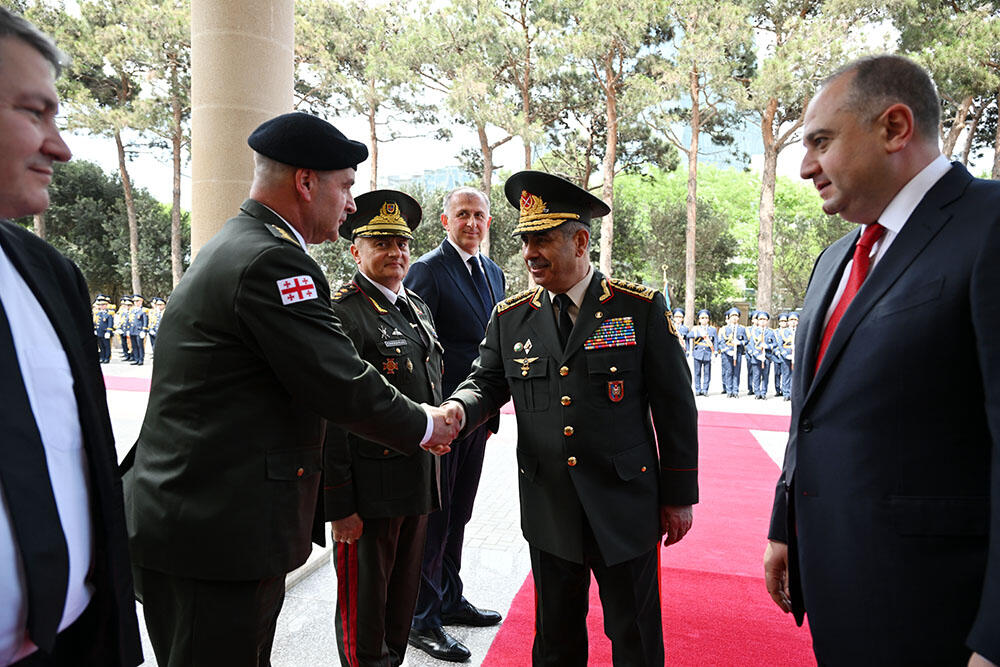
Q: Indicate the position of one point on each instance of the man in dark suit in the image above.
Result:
(376, 499)
(65, 584)
(222, 495)
(886, 520)
(461, 286)
(607, 444)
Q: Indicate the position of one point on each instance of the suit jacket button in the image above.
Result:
(565, 400)
(564, 371)
(385, 452)
(571, 461)
(806, 425)
(568, 430)
(300, 472)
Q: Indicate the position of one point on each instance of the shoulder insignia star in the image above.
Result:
(635, 289)
(518, 299)
(346, 290)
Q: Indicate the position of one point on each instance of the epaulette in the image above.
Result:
(534, 295)
(281, 233)
(635, 289)
(346, 290)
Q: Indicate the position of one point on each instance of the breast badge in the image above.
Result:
(613, 332)
(389, 366)
(616, 390)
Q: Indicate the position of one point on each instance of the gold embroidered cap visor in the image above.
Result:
(545, 201)
(383, 213)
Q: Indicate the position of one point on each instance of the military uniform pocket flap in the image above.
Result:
(613, 363)
(631, 463)
(293, 464)
(953, 516)
(527, 465)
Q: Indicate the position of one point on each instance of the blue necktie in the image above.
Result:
(480, 281)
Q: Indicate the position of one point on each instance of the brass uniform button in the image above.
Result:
(523, 373)
(568, 430)
(643, 469)
(565, 400)
(614, 369)
(385, 452)
(300, 472)
(564, 371)
(397, 351)
(571, 461)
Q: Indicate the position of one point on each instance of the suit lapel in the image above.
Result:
(463, 280)
(920, 228)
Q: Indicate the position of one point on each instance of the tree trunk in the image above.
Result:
(956, 127)
(39, 220)
(692, 203)
(487, 151)
(133, 224)
(372, 136)
(970, 136)
(995, 175)
(176, 259)
(526, 81)
(611, 148)
(765, 236)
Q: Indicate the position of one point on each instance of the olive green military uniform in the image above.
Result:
(227, 468)
(378, 576)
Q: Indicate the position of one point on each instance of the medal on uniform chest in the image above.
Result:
(526, 364)
(518, 347)
(389, 366)
(409, 365)
(616, 390)
(527, 346)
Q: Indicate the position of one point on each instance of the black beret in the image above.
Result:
(306, 141)
(383, 213)
(545, 201)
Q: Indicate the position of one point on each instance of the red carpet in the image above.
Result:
(715, 608)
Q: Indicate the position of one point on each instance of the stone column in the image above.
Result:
(241, 75)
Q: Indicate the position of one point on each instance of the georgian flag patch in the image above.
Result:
(296, 288)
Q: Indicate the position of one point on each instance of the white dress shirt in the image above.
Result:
(466, 256)
(893, 218)
(49, 384)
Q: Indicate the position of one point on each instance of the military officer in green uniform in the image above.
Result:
(377, 499)
(222, 488)
(597, 381)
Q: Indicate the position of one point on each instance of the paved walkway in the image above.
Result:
(495, 560)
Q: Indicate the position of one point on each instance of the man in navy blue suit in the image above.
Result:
(461, 286)
(886, 520)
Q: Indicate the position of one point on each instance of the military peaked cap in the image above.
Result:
(545, 201)
(303, 140)
(383, 213)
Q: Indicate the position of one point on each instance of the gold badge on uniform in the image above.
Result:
(526, 364)
(409, 365)
(616, 390)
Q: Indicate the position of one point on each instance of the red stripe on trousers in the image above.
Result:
(347, 584)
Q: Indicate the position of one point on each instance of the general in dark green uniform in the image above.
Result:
(607, 444)
(376, 498)
(223, 494)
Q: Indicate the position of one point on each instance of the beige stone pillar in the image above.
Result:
(241, 75)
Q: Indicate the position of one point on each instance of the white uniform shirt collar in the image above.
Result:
(298, 237)
(577, 291)
(388, 293)
(902, 205)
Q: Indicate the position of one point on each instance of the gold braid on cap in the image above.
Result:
(534, 214)
(388, 222)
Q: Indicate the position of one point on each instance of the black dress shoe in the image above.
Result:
(437, 643)
(468, 614)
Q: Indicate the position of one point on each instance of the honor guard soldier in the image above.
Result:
(759, 345)
(778, 360)
(122, 326)
(379, 529)
(750, 359)
(607, 436)
(138, 328)
(788, 351)
(731, 344)
(104, 324)
(702, 337)
(682, 331)
(155, 316)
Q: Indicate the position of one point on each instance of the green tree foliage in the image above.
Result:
(86, 221)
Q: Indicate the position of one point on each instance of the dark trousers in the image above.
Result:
(76, 646)
(750, 364)
(377, 581)
(103, 349)
(440, 580)
(786, 379)
(138, 348)
(759, 372)
(125, 343)
(197, 622)
(779, 375)
(630, 598)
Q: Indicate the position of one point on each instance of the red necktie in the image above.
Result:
(859, 270)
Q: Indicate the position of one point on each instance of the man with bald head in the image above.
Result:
(223, 483)
(886, 520)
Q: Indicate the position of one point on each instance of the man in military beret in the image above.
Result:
(222, 486)
(377, 499)
(607, 446)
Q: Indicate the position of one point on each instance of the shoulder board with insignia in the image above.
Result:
(635, 289)
(346, 290)
(281, 233)
(518, 299)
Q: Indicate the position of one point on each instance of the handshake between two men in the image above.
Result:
(448, 421)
